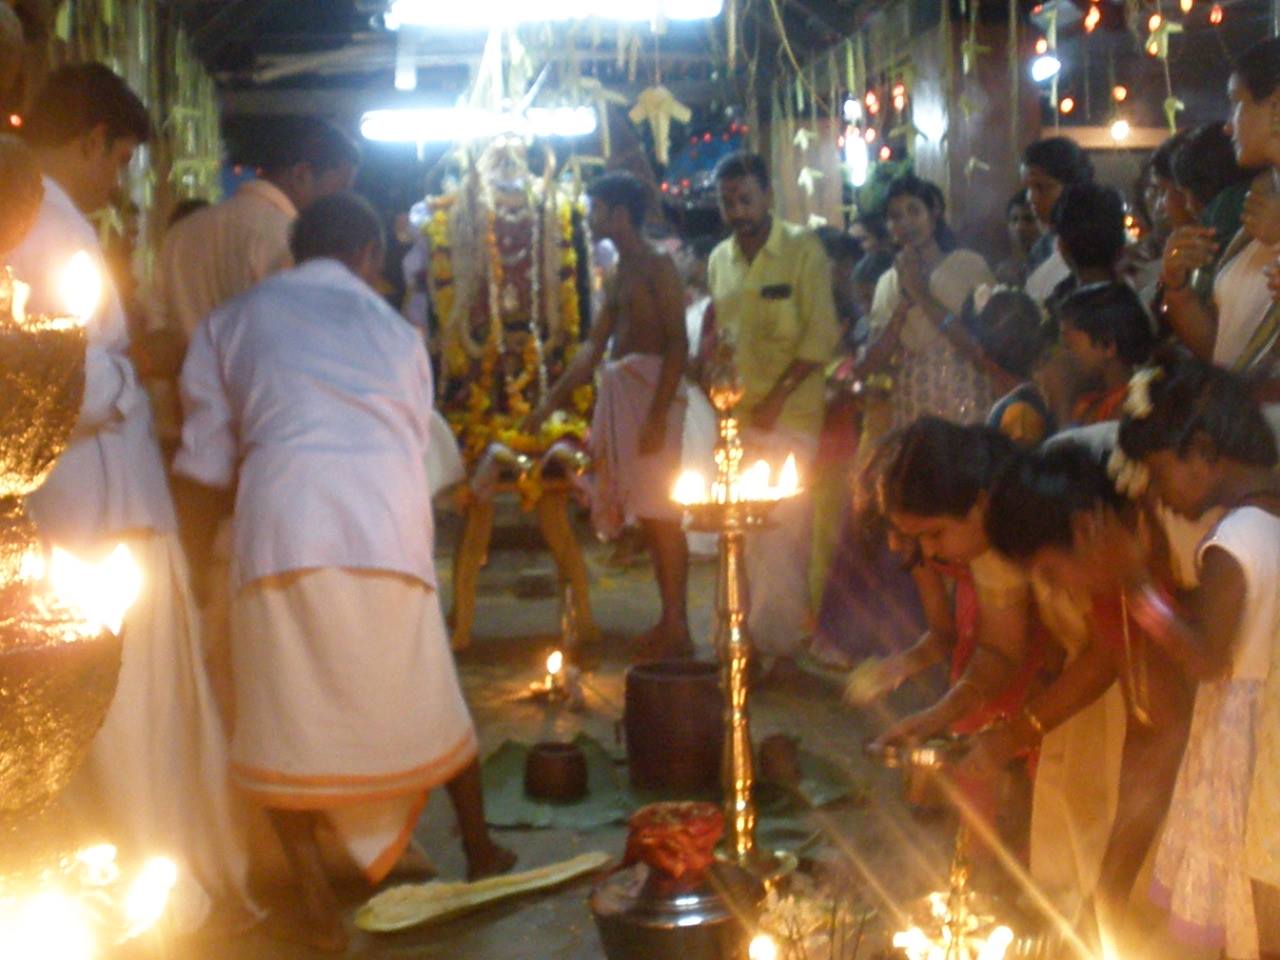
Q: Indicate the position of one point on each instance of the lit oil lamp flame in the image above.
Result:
(690, 488)
(50, 924)
(81, 286)
(555, 663)
(918, 945)
(754, 483)
(762, 947)
(789, 477)
(99, 864)
(148, 894)
(101, 593)
(19, 294)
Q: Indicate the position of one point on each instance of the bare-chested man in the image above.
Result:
(638, 426)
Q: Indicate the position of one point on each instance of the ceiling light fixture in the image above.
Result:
(857, 159)
(483, 14)
(451, 124)
(1045, 67)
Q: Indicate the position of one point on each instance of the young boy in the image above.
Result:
(639, 420)
(1106, 334)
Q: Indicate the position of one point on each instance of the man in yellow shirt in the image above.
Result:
(771, 286)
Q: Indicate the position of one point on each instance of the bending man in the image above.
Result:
(310, 397)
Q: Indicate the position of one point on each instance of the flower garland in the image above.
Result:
(453, 267)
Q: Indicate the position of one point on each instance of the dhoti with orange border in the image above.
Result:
(347, 703)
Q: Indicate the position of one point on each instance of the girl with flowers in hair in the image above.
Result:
(1206, 445)
(1106, 775)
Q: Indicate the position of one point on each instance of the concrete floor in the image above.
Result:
(899, 855)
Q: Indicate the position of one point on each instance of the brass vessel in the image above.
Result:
(55, 684)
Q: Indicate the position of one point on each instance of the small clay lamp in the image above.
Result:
(556, 772)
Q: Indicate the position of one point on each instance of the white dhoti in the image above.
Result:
(1073, 805)
(158, 766)
(627, 485)
(777, 556)
(347, 702)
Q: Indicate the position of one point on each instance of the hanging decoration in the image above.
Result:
(970, 48)
(974, 165)
(1158, 42)
(803, 138)
(808, 180)
(657, 106)
(592, 91)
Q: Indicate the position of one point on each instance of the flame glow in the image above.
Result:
(50, 925)
(691, 487)
(101, 593)
(555, 663)
(753, 484)
(958, 937)
(149, 894)
(19, 294)
(81, 285)
(789, 477)
(763, 947)
(99, 865)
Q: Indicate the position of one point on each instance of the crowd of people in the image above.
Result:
(1054, 476)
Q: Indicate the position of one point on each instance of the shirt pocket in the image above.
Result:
(779, 321)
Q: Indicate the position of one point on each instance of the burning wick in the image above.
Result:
(763, 947)
(755, 483)
(555, 670)
(19, 294)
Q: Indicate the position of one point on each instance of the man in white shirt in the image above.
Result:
(157, 770)
(218, 253)
(310, 398)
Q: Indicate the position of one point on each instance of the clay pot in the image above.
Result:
(673, 725)
(556, 772)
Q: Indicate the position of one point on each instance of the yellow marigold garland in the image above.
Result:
(474, 421)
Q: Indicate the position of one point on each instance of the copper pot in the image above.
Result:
(556, 772)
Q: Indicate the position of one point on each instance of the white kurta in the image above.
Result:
(156, 776)
(313, 396)
(111, 478)
(219, 252)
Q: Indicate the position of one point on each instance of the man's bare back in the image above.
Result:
(642, 290)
